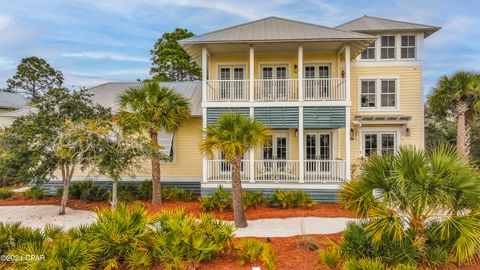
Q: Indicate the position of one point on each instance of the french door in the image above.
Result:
(315, 89)
(275, 153)
(274, 86)
(231, 83)
(318, 149)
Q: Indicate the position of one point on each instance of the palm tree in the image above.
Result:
(458, 94)
(233, 135)
(434, 195)
(153, 108)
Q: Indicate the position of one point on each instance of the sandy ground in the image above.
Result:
(40, 215)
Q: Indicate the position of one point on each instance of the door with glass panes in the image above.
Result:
(316, 81)
(275, 153)
(318, 150)
(274, 84)
(379, 143)
(231, 83)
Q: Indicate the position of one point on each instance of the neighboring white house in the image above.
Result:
(9, 102)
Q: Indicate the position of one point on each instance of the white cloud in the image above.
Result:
(134, 71)
(106, 55)
(6, 63)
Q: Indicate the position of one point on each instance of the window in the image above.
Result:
(378, 94)
(232, 90)
(388, 47)
(379, 143)
(369, 52)
(408, 47)
(388, 95)
(165, 139)
(368, 95)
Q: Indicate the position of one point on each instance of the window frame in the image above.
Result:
(371, 46)
(408, 47)
(378, 93)
(379, 132)
(395, 45)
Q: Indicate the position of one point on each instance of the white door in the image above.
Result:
(276, 153)
(315, 88)
(274, 86)
(318, 150)
(231, 85)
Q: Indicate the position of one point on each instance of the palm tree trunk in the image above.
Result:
(156, 186)
(238, 212)
(114, 194)
(463, 137)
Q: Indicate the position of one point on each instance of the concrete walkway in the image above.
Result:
(37, 216)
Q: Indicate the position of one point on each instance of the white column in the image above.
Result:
(300, 145)
(251, 69)
(300, 73)
(252, 154)
(204, 109)
(347, 113)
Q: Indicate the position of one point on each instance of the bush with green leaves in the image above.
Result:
(125, 194)
(252, 199)
(144, 190)
(221, 200)
(290, 199)
(5, 193)
(364, 264)
(251, 250)
(177, 194)
(34, 193)
(87, 191)
(185, 240)
(331, 256)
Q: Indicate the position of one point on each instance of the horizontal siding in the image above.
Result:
(214, 113)
(324, 117)
(277, 117)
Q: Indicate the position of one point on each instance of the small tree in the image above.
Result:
(34, 77)
(170, 62)
(152, 108)
(234, 135)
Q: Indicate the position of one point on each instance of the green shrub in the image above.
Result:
(364, 264)
(34, 193)
(221, 199)
(13, 235)
(410, 266)
(289, 199)
(5, 193)
(251, 250)
(177, 194)
(185, 239)
(125, 194)
(330, 257)
(144, 190)
(87, 191)
(252, 199)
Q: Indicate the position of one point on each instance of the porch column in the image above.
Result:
(347, 113)
(301, 173)
(300, 73)
(252, 155)
(251, 69)
(204, 109)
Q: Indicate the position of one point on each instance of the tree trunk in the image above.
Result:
(238, 212)
(156, 186)
(114, 194)
(67, 173)
(463, 137)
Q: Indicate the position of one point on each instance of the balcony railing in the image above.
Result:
(328, 89)
(279, 171)
(227, 90)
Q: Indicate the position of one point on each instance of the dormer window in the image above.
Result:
(369, 52)
(387, 47)
(408, 47)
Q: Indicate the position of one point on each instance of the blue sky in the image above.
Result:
(95, 41)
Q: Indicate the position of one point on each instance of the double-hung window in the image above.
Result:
(387, 50)
(369, 52)
(379, 143)
(408, 47)
(378, 94)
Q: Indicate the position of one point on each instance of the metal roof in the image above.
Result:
(107, 94)
(11, 100)
(368, 24)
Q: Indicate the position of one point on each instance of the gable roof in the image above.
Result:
(369, 24)
(274, 29)
(11, 100)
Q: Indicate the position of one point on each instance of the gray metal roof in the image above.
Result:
(274, 29)
(108, 93)
(368, 24)
(11, 100)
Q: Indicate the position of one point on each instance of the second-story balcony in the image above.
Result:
(317, 89)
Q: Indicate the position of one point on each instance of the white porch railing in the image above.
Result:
(324, 171)
(276, 89)
(227, 90)
(324, 89)
(279, 171)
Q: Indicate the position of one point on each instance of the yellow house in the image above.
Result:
(330, 95)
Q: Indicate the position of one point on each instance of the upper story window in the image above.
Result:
(378, 94)
(387, 47)
(369, 52)
(408, 47)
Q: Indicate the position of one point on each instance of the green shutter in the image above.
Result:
(278, 117)
(214, 113)
(324, 117)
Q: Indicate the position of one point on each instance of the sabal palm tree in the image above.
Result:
(458, 95)
(233, 135)
(153, 108)
(434, 194)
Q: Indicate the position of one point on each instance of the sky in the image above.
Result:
(97, 41)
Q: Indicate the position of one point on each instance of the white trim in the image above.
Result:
(251, 73)
(274, 65)
(415, 47)
(237, 104)
(273, 185)
(395, 47)
(317, 132)
(378, 93)
(379, 130)
(388, 63)
(301, 143)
